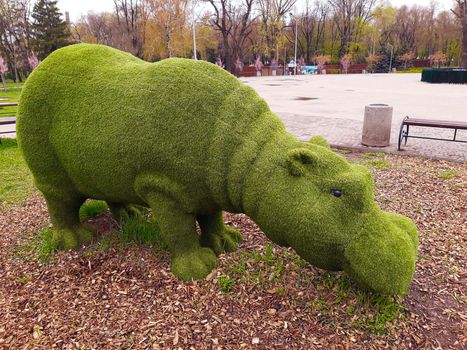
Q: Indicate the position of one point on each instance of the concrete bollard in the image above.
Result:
(377, 125)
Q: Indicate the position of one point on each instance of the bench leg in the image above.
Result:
(406, 134)
(403, 134)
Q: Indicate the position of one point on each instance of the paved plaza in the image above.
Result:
(333, 106)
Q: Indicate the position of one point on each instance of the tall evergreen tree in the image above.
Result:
(49, 31)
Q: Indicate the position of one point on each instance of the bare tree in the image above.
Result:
(233, 20)
(170, 20)
(311, 29)
(350, 16)
(408, 22)
(15, 35)
(131, 22)
(272, 14)
(461, 14)
(96, 28)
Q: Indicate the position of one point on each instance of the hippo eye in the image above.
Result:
(336, 193)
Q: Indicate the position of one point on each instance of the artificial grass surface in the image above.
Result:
(190, 140)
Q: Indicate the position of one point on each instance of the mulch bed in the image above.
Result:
(125, 297)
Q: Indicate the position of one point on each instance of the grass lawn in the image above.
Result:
(16, 180)
(411, 70)
(11, 94)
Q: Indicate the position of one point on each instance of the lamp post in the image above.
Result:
(195, 55)
(194, 41)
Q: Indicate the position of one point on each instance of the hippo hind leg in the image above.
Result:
(123, 212)
(217, 236)
(63, 205)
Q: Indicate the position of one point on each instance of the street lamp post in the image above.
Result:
(195, 55)
(296, 39)
(194, 40)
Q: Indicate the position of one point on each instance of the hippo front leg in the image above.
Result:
(217, 236)
(178, 230)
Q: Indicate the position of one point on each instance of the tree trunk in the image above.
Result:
(464, 42)
(226, 52)
(3, 82)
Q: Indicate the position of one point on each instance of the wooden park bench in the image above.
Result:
(9, 112)
(7, 121)
(8, 104)
(430, 123)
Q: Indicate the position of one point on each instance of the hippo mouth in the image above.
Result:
(382, 257)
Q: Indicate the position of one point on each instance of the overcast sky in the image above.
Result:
(78, 7)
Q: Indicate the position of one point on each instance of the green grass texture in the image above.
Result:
(16, 182)
(189, 140)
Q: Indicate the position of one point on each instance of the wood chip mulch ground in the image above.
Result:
(262, 296)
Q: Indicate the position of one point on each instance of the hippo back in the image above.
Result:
(104, 116)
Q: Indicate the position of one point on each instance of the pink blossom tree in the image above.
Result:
(33, 61)
(439, 58)
(346, 61)
(321, 61)
(258, 65)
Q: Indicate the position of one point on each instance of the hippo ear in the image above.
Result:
(320, 141)
(298, 159)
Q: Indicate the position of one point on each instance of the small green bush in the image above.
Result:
(225, 283)
(445, 75)
(447, 174)
(92, 209)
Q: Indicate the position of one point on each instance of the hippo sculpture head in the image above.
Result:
(189, 140)
(323, 207)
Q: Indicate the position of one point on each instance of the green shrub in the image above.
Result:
(92, 209)
(445, 75)
(225, 283)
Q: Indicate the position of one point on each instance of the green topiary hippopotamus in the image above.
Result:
(189, 140)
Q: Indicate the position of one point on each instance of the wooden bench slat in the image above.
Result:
(8, 104)
(7, 120)
(435, 123)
